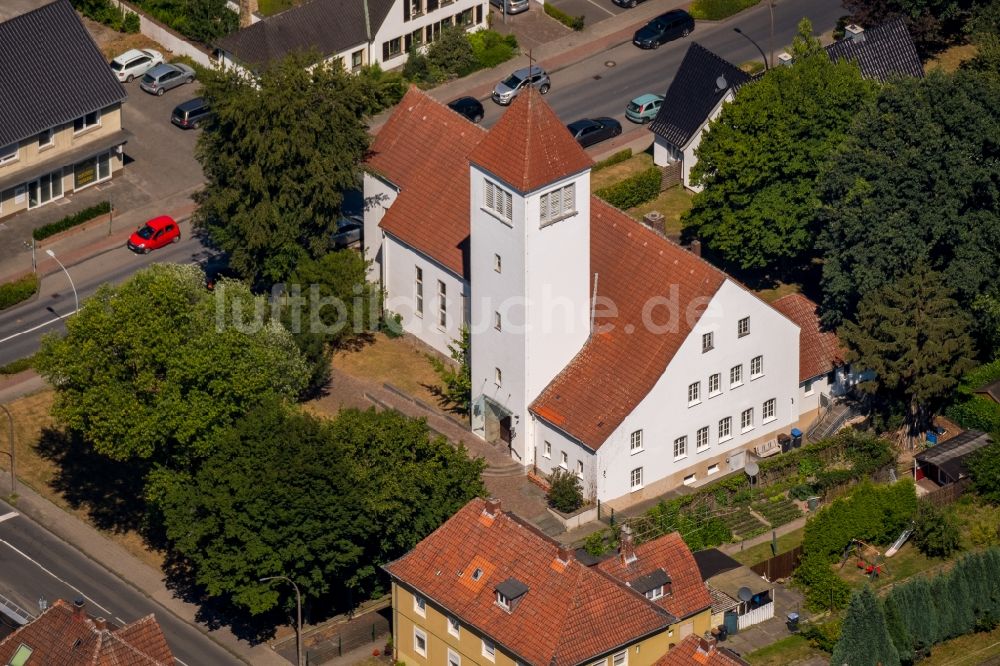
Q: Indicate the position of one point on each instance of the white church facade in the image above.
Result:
(597, 345)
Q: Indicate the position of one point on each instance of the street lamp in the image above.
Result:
(75, 296)
(13, 475)
(740, 32)
(298, 605)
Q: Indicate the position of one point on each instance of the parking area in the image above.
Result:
(534, 27)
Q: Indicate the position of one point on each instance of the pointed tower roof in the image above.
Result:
(530, 146)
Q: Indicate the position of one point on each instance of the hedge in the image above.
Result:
(617, 158)
(972, 410)
(14, 367)
(70, 221)
(574, 22)
(18, 291)
(634, 190)
(716, 10)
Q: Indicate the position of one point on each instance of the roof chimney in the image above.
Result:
(854, 32)
(626, 546)
(100, 623)
(707, 644)
(564, 554)
(78, 605)
(695, 247)
(492, 507)
(785, 58)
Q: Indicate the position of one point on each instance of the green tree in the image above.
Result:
(565, 492)
(896, 627)
(914, 182)
(864, 638)
(984, 469)
(154, 368)
(913, 337)
(457, 380)
(934, 24)
(323, 502)
(760, 161)
(451, 55)
(935, 532)
(279, 154)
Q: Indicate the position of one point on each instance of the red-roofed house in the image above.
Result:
(694, 651)
(489, 588)
(65, 635)
(597, 346)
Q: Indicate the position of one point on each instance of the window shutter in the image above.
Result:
(489, 195)
(508, 205)
(569, 198)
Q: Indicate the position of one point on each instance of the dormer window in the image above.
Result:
(655, 593)
(653, 585)
(509, 594)
(503, 601)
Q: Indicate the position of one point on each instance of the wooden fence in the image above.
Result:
(948, 494)
(671, 176)
(780, 566)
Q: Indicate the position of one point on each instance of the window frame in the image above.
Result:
(743, 327)
(566, 204)
(491, 652)
(12, 156)
(579, 468)
(498, 202)
(700, 446)
(680, 447)
(454, 628)
(635, 474)
(502, 601)
(736, 376)
(498, 377)
(442, 305)
(767, 410)
(707, 342)
(655, 593)
(547, 449)
(746, 420)
(497, 263)
(454, 658)
(420, 634)
(759, 362)
(418, 292)
(694, 394)
(52, 138)
(635, 441)
(717, 377)
(419, 605)
(84, 124)
(624, 658)
(564, 460)
(728, 422)
(713, 469)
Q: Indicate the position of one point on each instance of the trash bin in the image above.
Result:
(796, 438)
(723, 632)
(785, 441)
(793, 622)
(812, 503)
(731, 620)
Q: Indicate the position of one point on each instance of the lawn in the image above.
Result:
(950, 59)
(620, 171)
(672, 203)
(271, 7)
(966, 650)
(762, 551)
(774, 293)
(789, 650)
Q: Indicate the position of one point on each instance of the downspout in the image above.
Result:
(368, 31)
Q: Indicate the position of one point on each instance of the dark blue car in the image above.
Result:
(664, 28)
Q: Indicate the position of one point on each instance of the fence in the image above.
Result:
(780, 566)
(948, 494)
(671, 176)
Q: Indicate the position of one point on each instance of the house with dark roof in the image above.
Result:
(353, 33)
(489, 588)
(597, 346)
(61, 116)
(66, 635)
(705, 82)
(945, 463)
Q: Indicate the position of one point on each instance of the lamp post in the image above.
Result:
(298, 606)
(13, 475)
(76, 298)
(762, 55)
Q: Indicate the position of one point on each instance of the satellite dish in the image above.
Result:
(721, 83)
(751, 469)
(745, 594)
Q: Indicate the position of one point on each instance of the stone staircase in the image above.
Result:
(833, 420)
(511, 468)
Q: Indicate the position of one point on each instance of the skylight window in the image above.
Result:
(477, 574)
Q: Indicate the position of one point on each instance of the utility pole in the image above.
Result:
(770, 9)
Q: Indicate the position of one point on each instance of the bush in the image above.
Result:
(574, 22)
(824, 589)
(935, 533)
(617, 158)
(18, 291)
(803, 491)
(984, 468)
(107, 14)
(599, 542)
(451, 55)
(976, 412)
(716, 10)
(70, 221)
(822, 635)
(379, 89)
(491, 48)
(14, 367)
(565, 492)
(634, 190)
(198, 20)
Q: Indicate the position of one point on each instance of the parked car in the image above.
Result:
(589, 131)
(154, 234)
(350, 230)
(505, 91)
(135, 62)
(643, 108)
(470, 107)
(664, 28)
(513, 6)
(166, 76)
(190, 114)
(627, 3)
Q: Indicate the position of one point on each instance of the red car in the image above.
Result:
(154, 234)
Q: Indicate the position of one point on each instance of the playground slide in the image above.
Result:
(899, 542)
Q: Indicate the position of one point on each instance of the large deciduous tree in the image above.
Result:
(864, 639)
(934, 24)
(917, 181)
(760, 159)
(277, 157)
(984, 468)
(913, 337)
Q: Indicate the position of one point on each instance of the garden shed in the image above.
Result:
(945, 463)
(735, 590)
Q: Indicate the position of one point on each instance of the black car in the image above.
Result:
(627, 3)
(468, 107)
(190, 114)
(589, 131)
(664, 28)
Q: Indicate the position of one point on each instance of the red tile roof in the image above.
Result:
(529, 146)
(819, 351)
(423, 150)
(692, 651)
(570, 612)
(66, 636)
(616, 369)
(688, 595)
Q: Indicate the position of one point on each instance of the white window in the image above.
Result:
(756, 367)
(635, 478)
(497, 377)
(680, 446)
(746, 419)
(767, 412)
(442, 304)
(736, 376)
(503, 601)
(701, 439)
(420, 641)
(620, 659)
(725, 428)
(418, 291)
(694, 393)
(808, 389)
(714, 384)
(547, 449)
(453, 627)
(489, 649)
(497, 263)
(707, 342)
(690, 479)
(453, 658)
(45, 189)
(8, 153)
(419, 605)
(498, 201)
(92, 119)
(635, 441)
(743, 327)
(713, 469)
(558, 204)
(46, 138)
(497, 321)
(579, 468)
(655, 593)
(563, 460)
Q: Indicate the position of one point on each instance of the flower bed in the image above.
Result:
(778, 512)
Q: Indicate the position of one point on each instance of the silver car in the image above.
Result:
(164, 77)
(513, 6)
(505, 91)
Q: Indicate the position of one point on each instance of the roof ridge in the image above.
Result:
(133, 648)
(719, 58)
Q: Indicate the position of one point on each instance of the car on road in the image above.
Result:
(154, 234)
(135, 62)
(190, 114)
(505, 91)
(513, 6)
(630, 4)
(664, 28)
(470, 107)
(350, 229)
(589, 131)
(165, 76)
(643, 108)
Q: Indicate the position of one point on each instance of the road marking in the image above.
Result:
(605, 9)
(37, 564)
(8, 516)
(180, 662)
(35, 328)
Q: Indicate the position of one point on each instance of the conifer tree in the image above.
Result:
(864, 639)
(897, 629)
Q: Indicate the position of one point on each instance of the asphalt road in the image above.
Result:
(37, 566)
(22, 328)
